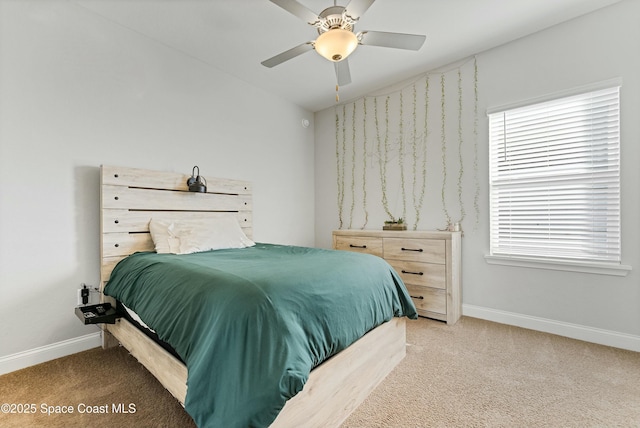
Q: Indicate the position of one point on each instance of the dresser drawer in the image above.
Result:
(424, 274)
(428, 299)
(415, 250)
(360, 244)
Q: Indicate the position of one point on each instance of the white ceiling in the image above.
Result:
(234, 36)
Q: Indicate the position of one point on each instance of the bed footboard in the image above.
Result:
(339, 385)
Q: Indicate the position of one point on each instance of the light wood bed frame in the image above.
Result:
(130, 197)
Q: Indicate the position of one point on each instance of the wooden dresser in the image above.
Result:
(428, 262)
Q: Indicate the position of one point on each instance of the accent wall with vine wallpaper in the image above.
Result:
(411, 151)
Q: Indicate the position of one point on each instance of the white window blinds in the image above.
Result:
(555, 179)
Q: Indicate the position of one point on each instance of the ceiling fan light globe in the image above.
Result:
(336, 44)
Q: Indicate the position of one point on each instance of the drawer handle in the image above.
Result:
(419, 250)
(357, 246)
(412, 273)
(418, 297)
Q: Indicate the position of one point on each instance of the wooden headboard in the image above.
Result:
(130, 197)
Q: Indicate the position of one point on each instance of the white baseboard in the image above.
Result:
(45, 353)
(574, 331)
(631, 342)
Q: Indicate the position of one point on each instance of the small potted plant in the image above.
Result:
(394, 224)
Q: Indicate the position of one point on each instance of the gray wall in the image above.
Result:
(596, 47)
(78, 91)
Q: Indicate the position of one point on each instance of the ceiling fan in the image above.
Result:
(337, 39)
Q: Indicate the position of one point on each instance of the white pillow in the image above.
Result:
(164, 239)
(195, 235)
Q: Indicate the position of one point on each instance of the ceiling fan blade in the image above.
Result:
(342, 72)
(292, 6)
(287, 55)
(356, 8)
(392, 40)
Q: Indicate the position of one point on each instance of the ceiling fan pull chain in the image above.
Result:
(337, 95)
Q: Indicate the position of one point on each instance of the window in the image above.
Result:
(555, 179)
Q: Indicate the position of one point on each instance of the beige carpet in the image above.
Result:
(473, 374)
(482, 374)
(91, 378)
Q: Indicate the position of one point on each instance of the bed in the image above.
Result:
(344, 372)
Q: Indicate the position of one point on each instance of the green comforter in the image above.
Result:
(251, 323)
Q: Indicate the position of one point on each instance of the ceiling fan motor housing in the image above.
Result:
(334, 17)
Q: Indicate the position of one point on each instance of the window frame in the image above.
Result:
(535, 261)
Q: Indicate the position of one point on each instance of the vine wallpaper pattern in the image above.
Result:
(415, 144)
